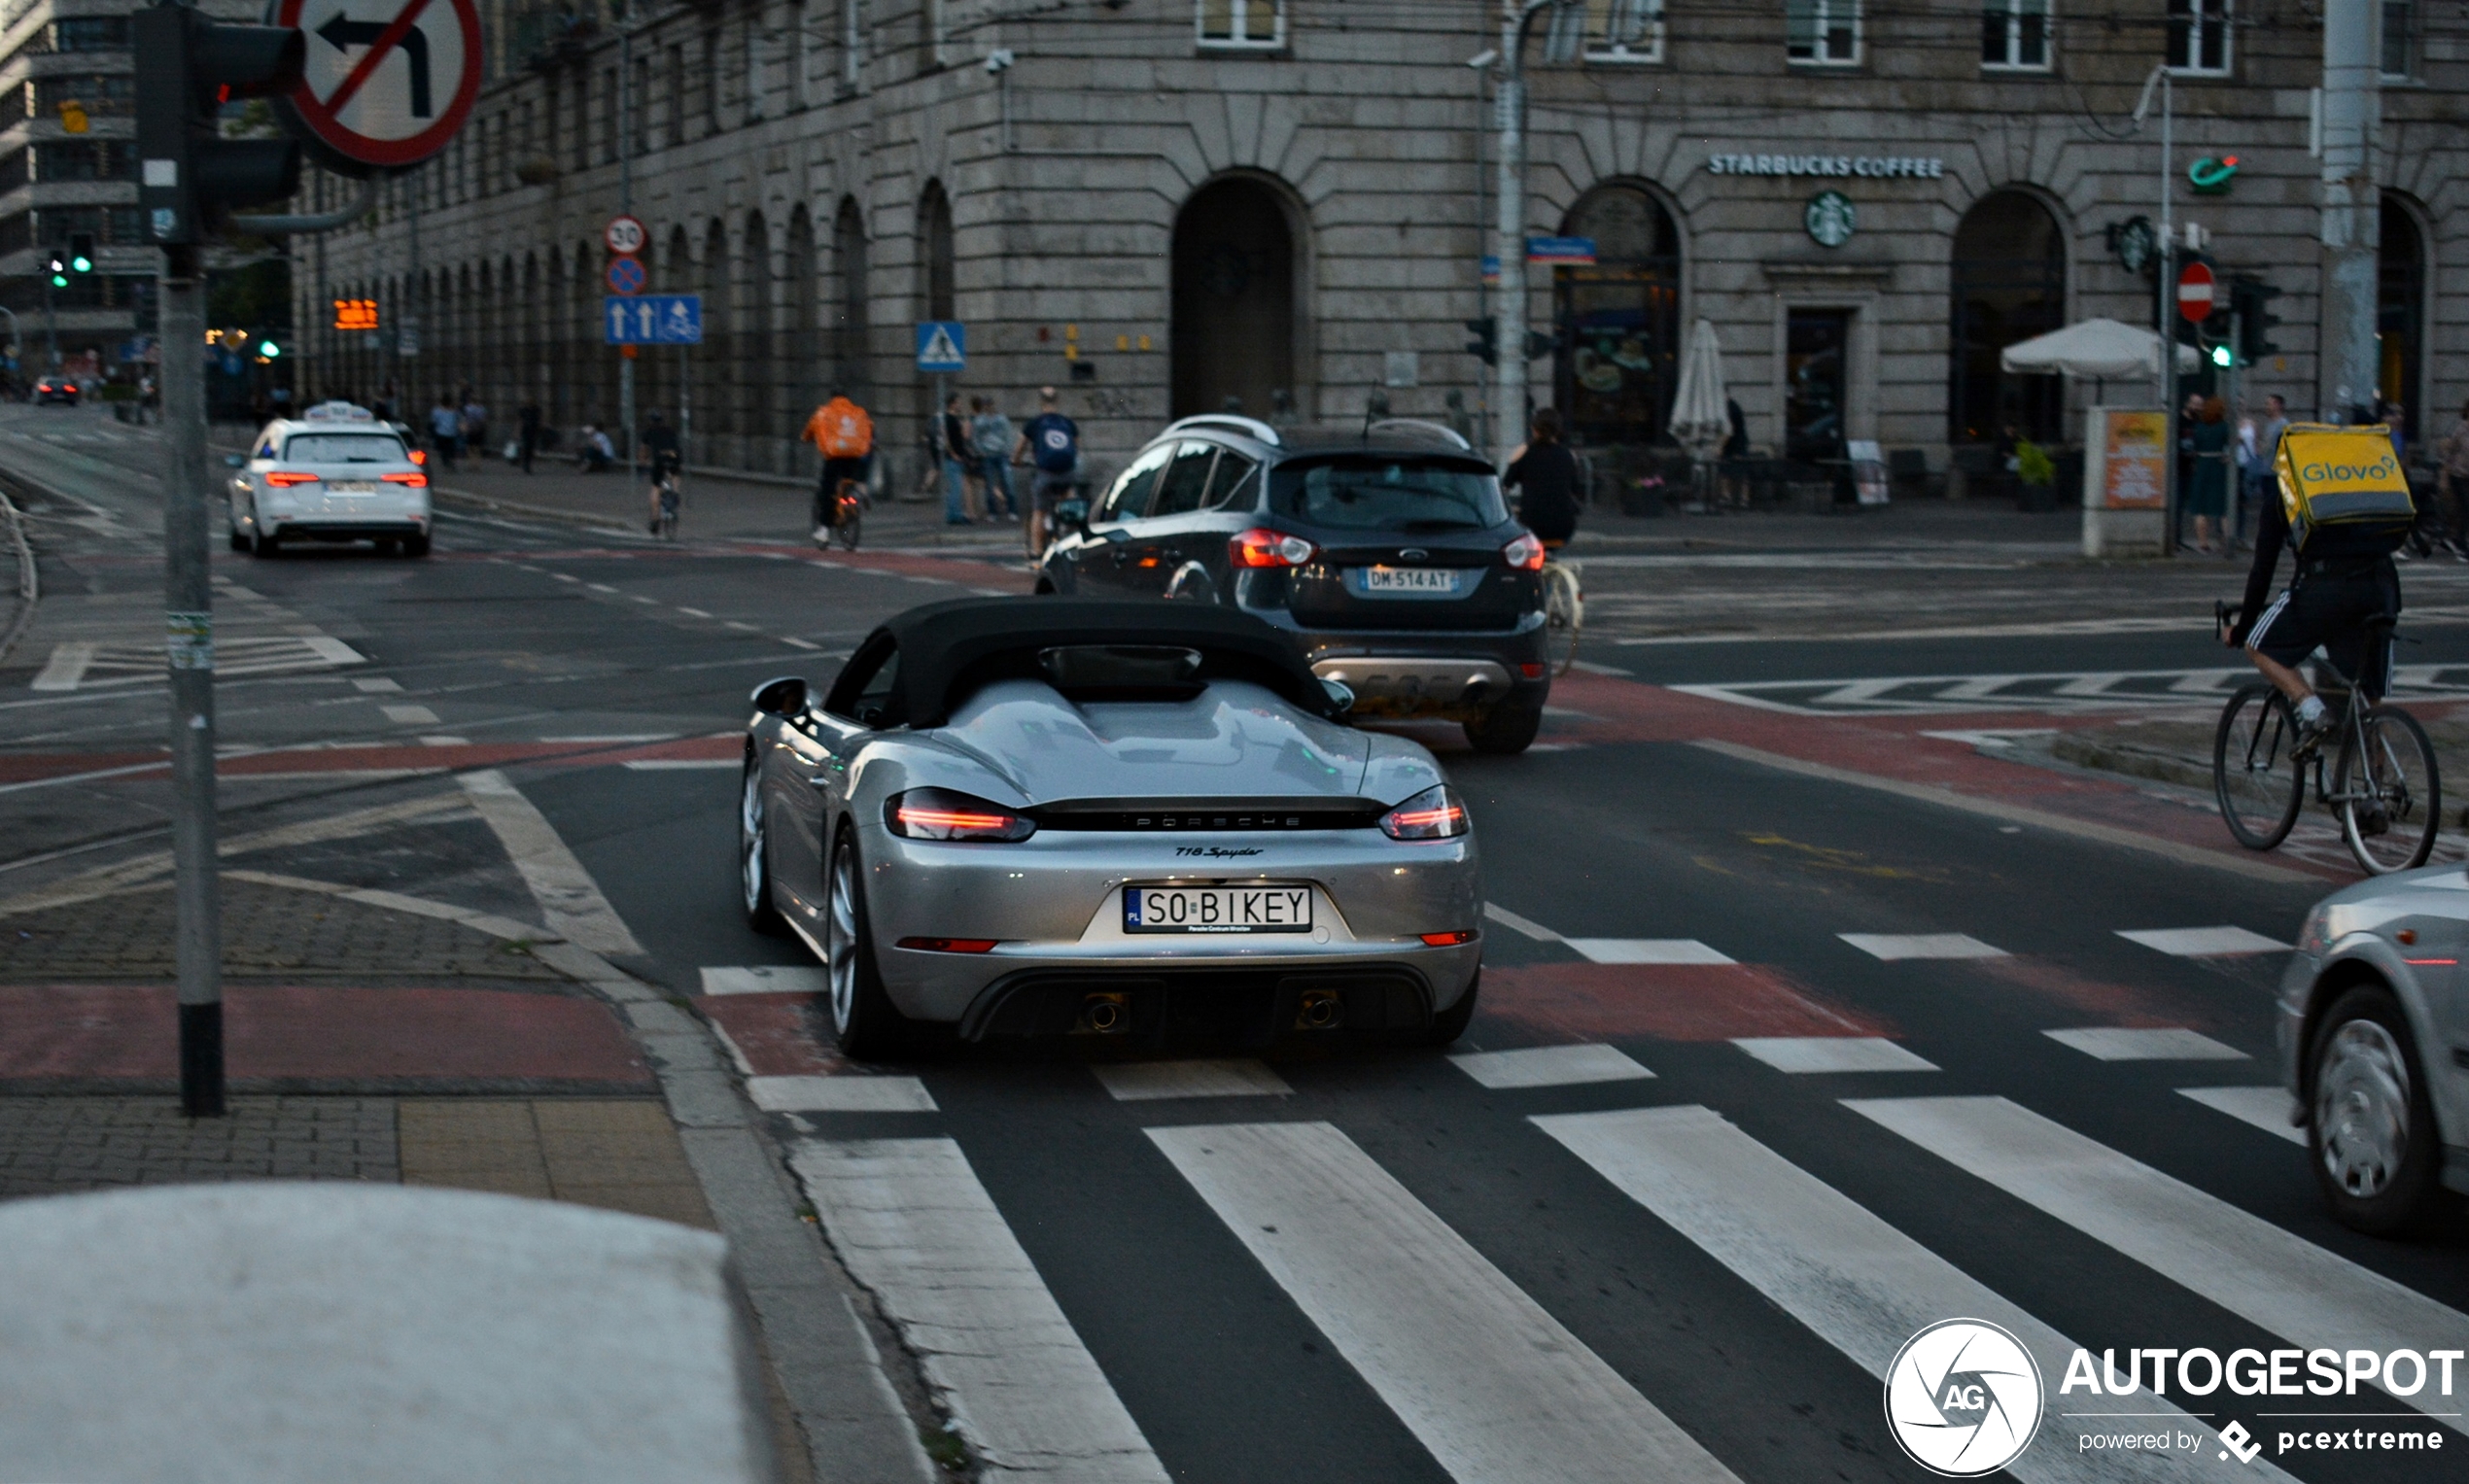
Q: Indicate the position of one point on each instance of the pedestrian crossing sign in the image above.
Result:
(943, 345)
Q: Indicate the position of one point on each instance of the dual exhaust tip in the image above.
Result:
(1108, 1012)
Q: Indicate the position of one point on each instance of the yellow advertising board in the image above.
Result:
(2135, 466)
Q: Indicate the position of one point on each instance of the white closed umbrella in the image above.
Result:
(1698, 418)
(2095, 348)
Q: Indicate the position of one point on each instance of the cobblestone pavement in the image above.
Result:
(268, 933)
(52, 1146)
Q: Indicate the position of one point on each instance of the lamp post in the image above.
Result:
(1508, 300)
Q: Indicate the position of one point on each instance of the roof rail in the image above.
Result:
(1443, 428)
(1250, 427)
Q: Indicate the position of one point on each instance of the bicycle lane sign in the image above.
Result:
(385, 84)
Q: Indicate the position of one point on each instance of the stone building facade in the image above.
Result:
(1163, 204)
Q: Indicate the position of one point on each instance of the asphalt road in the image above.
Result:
(1689, 1254)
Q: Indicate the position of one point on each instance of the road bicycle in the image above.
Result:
(664, 501)
(2383, 786)
(1564, 608)
(848, 513)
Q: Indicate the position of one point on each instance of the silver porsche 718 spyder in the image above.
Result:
(1031, 818)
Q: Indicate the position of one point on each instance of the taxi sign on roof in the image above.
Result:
(339, 412)
(386, 83)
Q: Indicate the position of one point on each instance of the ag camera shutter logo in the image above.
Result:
(1964, 1398)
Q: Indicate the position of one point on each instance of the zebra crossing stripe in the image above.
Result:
(2266, 1108)
(2269, 1277)
(1681, 951)
(2203, 942)
(1800, 1054)
(913, 1223)
(1132, 1081)
(2131, 1043)
(1549, 1066)
(1493, 1386)
(1891, 948)
(1858, 1284)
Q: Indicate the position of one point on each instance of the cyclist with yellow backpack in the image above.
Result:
(2344, 509)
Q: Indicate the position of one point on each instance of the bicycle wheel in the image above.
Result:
(2391, 797)
(845, 529)
(1564, 615)
(2258, 783)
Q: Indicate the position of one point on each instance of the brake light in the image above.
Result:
(1435, 813)
(1261, 546)
(1532, 670)
(1524, 554)
(71, 387)
(1448, 939)
(950, 944)
(945, 813)
(419, 456)
(285, 478)
(416, 481)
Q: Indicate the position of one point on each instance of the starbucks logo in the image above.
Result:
(1830, 219)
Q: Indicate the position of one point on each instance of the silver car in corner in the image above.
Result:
(2374, 1040)
(1139, 820)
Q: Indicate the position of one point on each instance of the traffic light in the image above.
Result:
(59, 271)
(1541, 344)
(189, 177)
(2251, 299)
(80, 251)
(1485, 346)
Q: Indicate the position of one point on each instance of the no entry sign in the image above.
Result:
(387, 83)
(2194, 292)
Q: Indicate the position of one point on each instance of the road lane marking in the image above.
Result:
(1518, 925)
(678, 763)
(2266, 1108)
(410, 715)
(1495, 1387)
(66, 667)
(2203, 942)
(1132, 1082)
(371, 686)
(1857, 1283)
(622, 737)
(913, 1223)
(1647, 951)
(1549, 1066)
(2123, 1043)
(1893, 947)
(2269, 1277)
(839, 1094)
(569, 900)
(794, 643)
(1832, 1054)
(692, 613)
(600, 587)
(765, 979)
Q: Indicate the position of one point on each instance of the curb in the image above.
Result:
(29, 584)
(810, 1311)
(2130, 760)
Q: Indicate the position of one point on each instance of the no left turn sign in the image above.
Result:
(386, 83)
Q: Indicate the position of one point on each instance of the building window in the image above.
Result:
(1243, 23)
(711, 81)
(582, 121)
(677, 120)
(85, 159)
(852, 44)
(755, 78)
(2199, 35)
(611, 139)
(90, 33)
(95, 96)
(1624, 31)
(938, 29)
(1826, 33)
(2400, 33)
(2015, 33)
(639, 102)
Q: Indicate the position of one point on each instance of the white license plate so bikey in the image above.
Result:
(1217, 909)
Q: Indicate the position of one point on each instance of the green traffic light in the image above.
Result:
(60, 281)
(81, 264)
(2221, 356)
(269, 350)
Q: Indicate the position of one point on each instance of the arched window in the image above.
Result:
(1233, 328)
(850, 317)
(2009, 284)
(2400, 310)
(1617, 364)
(802, 361)
(935, 253)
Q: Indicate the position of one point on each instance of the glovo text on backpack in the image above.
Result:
(2344, 479)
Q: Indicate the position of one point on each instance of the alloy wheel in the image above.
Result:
(840, 937)
(2361, 1108)
(749, 842)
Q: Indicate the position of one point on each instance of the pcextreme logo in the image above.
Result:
(1964, 1398)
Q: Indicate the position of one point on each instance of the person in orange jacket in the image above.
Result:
(843, 433)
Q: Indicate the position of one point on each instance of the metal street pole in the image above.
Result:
(626, 207)
(2347, 372)
(1509, 299)
(189, 627)
(2164, 308)
(50, 323)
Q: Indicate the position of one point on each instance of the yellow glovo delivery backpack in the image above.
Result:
(2345, 480)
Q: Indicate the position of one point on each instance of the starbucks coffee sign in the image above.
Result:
(1868, 166)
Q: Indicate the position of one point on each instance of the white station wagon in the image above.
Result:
(333, 474)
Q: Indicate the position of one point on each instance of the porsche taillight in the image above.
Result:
(1435, 813)
(946, 813)
(1261, 546)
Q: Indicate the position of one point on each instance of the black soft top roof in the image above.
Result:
(949, 649)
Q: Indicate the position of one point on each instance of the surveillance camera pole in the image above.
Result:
(2348, 376)
(1509, 299)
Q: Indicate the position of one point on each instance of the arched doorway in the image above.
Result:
(2009, 284)
(1234, 331)
(2400, 307)
(1618, 360)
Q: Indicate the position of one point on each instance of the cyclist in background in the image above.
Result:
(1545, 473)
(845, 437)
(660, 445)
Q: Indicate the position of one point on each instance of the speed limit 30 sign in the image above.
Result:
(625, 235)
(386, 83)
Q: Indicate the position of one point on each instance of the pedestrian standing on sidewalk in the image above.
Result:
(990, 435)
(844, 435)
(2207, 492)
(1051, 442)
(445, 430)
(475, 425)
(527, 420)
(952, 448)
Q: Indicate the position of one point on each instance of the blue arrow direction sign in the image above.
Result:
(652, 319)
(943, 345)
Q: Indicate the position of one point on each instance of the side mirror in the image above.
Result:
(1341, 696)
(783, 697)
(235, 460)
(1073, 514)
